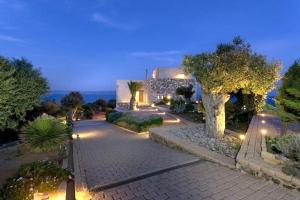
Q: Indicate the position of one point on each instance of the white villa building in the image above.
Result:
(163, 83)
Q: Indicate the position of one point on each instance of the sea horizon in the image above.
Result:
(89, 96)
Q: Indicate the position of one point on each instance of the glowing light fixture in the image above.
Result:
(169, 97)
(152, 105)
(242, 136)
(180, 76)
(263, 131)
(263, 121)
(263, 114)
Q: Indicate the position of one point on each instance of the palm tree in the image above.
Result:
(133, 88)
(45, 134)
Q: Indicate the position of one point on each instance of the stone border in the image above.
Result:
(267, 156)
(162, 136)
(81, 189)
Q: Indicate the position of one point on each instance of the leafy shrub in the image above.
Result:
(111, 103)
(101, 103)
(44, 134)
(186, 91)
(50, 107)
(287, 145)
(88, 111)
(189, 107)
(112, 117)
(178, 106)
(41, 176)
(291, 169)
(139, 124)
(108, 111)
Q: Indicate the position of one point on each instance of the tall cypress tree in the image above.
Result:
(288, 99)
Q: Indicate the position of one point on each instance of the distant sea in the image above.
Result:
(89, 96)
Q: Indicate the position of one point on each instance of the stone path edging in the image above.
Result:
(161, 136)
(81, 189)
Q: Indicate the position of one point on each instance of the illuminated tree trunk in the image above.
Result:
(132, 104)
(214, 105)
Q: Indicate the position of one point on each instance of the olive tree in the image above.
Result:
(21, 89)
(72, 102)
(229, 68)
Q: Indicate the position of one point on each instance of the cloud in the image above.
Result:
(99, 18)
(10, 39)
(155, 53)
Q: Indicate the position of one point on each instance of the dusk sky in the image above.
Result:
(89, 44)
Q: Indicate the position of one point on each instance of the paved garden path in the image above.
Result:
(121, 165)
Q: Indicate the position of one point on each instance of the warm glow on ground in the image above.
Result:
(162, 113)
(263, 131)
(91, 134)
(172, 121)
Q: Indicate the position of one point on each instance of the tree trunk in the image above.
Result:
(214, 105)
(132, 103)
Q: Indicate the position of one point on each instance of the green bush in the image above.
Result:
(88, 112)
(189, 107)
(111, 103)
(45, 134)
(291, 169)
(101, 104)
(139, 124)
(287, 145)
(178, 106)
(112, 117)
(41, 176)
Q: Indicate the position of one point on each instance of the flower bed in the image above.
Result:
(40, 176)
(134, 123)
(227, 145)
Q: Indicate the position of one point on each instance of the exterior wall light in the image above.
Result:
(263, 121)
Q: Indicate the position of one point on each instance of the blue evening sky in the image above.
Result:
(88, 44)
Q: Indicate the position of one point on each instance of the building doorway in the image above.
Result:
(141, 96)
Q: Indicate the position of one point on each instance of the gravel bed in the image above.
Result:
(228, 145)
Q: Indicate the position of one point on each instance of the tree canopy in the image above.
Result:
(72, 102)
(232, 67)
(288, 99)
(21, 89)
(186, 91)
